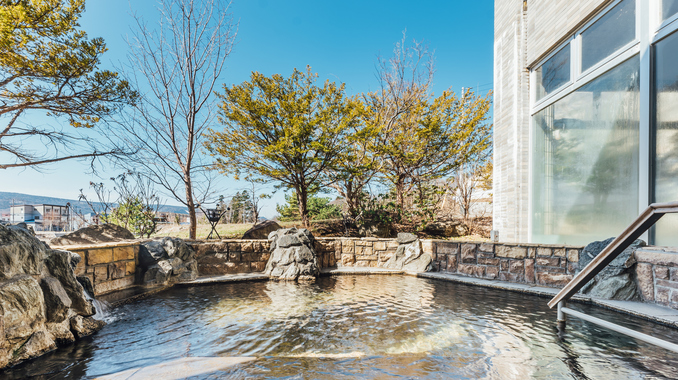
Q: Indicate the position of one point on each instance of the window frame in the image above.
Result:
(563, 87)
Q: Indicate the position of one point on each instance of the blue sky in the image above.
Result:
(340, 40)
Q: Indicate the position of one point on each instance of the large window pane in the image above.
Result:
(666, 133)
(669, 8)
(554, 73)
(585, 160)
(611, 32)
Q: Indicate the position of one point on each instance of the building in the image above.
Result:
(41, 217)
(586, 118)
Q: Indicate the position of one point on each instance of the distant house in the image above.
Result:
(42, 217)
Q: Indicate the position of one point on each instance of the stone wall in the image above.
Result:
(109, 267)
(112, 266)
(657, 275)
(230, 256)
(545, 265)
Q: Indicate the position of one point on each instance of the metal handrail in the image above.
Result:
(645, 220)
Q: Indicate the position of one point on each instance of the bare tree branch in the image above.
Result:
(178, 65)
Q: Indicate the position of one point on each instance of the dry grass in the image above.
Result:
(226, 231)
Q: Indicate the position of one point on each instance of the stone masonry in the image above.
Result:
(112, 267)
(109, 266)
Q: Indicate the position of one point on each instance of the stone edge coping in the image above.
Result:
(113, 244)
(226, 278)
(657, 255)
(358, 271)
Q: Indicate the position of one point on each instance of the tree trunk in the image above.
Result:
(193, 220)
(400, 190)
(352, 199)
(302, 198)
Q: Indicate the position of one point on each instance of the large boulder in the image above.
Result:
(20, 253)
(59, 265)
(409, 256)
(167, 260)
(292, 255)
(616, 280)
(103, 233)
(57, 301)
(261, 230)
(39, 297)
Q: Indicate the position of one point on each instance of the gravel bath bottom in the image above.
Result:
(360, 327)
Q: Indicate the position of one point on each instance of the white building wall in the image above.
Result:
(524, 32)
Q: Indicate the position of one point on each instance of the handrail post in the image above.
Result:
(562, 319)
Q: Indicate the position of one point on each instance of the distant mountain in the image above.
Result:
(6, 200)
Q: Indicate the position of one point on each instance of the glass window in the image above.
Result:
(669, 8)
(585, 160)
(553, 73)
(611, 32)
(666, 135)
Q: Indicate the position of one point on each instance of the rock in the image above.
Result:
(167, 260)
(447, 229)
(288, 241)
(293, 257)
(23, 309)
(158, 274)
(60, 332)
(615, 281)
(86, 284)
(409, 256)
(188, 272)
(57, 302)
(177, 248)
(151, 252)
(75, 259)
(39, 343)
(104, 233)
(261, 230)
(20, 253)
(39, 296)
(58, 263)
(81, 326)
(405, 237)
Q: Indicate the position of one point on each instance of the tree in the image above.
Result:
(136, 205)
(178, 65)
(356, 167)
(423, 137)
(255, 197)
(319, 208)
(283, 129)
(241, 207)
(49, 66)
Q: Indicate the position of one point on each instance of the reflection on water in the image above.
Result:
(364, 327)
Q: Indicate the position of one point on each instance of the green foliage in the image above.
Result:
(431, 139)
(134, 215)
(48, 64)
(284, 129)
(318, 209)
(241, 208)
(135, 208)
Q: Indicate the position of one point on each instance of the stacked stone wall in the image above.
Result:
(231, 256)
(109, 267)
(545, 265)
(112, 267)
(657, 275)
